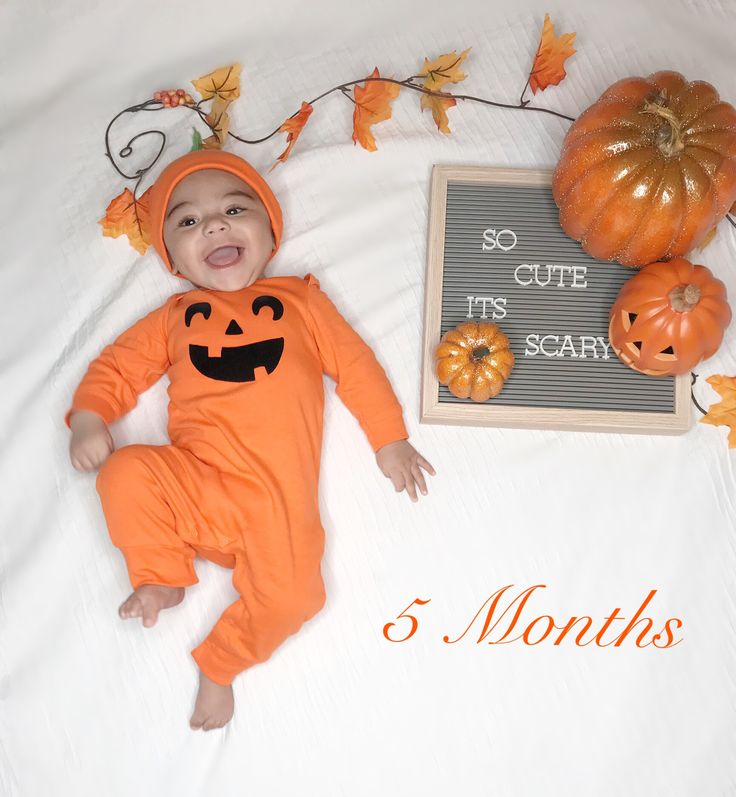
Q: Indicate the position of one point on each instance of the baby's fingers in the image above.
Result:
(410, 487)
(90, 457)
(426, 465)
(397, 479)
(78, 456)
(82, 463)
(103, 447)
(419, 477)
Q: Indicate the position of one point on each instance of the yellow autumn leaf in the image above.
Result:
(372, 105)
(439, 107)
(438, 73)
(723, 413)
(443, 70)
(223, 83)
(219, 120)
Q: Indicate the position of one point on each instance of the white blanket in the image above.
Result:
(93, 705)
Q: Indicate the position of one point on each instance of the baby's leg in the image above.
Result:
(249, 630)
(136, 488)
(274, 604)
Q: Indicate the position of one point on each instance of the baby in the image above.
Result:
(238, 484)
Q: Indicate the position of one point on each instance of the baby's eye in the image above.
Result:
(183, 223)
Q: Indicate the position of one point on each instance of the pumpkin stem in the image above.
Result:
(673, 144)
(480, 353)
(684, 297)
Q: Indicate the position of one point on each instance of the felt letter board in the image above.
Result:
(496, 249)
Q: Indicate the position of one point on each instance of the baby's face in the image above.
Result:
(209, 209)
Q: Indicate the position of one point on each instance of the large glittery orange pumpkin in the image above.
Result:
(647, 170)
(668, 317)
(474, 360)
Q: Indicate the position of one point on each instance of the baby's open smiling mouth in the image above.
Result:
(224, 257)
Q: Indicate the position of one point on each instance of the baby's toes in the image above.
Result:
(150, 614)
(197, 720)
(131, 608)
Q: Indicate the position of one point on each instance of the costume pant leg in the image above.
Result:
(277, 574)
(135, 488)
(163, 507)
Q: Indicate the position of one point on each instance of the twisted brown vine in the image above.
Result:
(156, 105)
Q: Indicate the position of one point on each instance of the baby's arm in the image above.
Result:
(361, 382)
(111, 385)
(364, 387)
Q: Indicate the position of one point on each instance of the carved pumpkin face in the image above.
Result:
(236, 363)
(669, 317)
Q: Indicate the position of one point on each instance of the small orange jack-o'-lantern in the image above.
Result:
(668, 317)
(236, 363)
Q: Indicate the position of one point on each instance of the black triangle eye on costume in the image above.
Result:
(237, 363)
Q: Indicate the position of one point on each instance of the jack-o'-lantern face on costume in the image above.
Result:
(235, 363)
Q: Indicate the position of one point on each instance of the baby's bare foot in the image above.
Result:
(214, 705)
(148, 600)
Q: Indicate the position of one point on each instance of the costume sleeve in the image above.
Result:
(362, 384)
(124, 369)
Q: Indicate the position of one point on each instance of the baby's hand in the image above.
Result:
(400, 462)
(91, 442)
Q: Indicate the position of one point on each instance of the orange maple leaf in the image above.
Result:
(293, 126)
(372, 105)
(126, 216)
(724, 412)
(548, 69)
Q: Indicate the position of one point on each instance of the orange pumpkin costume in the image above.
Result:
(238, 484)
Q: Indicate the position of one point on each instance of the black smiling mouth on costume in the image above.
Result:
(237, 363)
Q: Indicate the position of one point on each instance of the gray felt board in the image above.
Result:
(532, 235)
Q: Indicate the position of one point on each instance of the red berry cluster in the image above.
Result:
(173, 98)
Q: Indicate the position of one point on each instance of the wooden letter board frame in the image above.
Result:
(486, 413)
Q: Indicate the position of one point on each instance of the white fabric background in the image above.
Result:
(92, 705)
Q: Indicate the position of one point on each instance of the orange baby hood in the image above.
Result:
(194, 161)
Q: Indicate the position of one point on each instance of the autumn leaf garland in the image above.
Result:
(128, 215)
